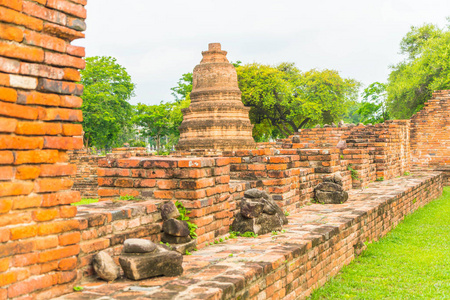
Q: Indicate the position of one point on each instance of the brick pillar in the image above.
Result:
(39, 104)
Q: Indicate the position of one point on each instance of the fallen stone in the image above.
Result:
(167, 238)
(147, 265)
(331, 197)
(176, 227)
(182, 248)
(251, 209)
(105, 267)
(255, 193)
(338, 179)
(138, 246)
(169, 211)
(261, 225)
(329, 187)
(341, 123)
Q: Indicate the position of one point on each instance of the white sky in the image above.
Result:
(158, 41)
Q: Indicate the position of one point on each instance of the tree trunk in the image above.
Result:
(158, 143)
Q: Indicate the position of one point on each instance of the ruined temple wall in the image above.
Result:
(39, 106)
(201, 184)
(278, 172)
(430, 134)
(85, 179)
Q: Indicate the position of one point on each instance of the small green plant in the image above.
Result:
(85, 202)
(353, 172)
(188, 253)
(233, 234)
(221, 240)
(195, 249)
(381, 178)
(78, 288)
(249, 234)
(415, 200)
(216, 242)
(406, 173)
(127, 198)
(286, 213)
(230, 255)
(342, 156)
(274, 233)
(183, 217)
(283, 231)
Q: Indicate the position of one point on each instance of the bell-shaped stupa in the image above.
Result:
(216, 118)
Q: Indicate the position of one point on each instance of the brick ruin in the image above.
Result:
(216, 118)
(47, 245)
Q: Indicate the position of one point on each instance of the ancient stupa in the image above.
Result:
(216, 118)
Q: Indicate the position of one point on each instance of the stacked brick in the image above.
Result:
(430, 133)
(201, 184)
(106, 225)
(325, 163)
(276, 171)
(387, 143)
(85, 179)
(39, 104)
(327, 137)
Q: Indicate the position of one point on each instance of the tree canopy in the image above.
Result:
(106, 111)
(425, 69)
(286, 99)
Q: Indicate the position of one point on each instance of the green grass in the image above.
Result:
(85, 201)
(411, 262)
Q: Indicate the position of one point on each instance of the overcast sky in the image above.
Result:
(158, 41)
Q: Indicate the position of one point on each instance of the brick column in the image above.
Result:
(39, 104)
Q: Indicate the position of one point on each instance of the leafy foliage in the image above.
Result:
(284, 99)
(373, 106)
(183, 217)
(425, 69)
(183, 88)
(106, 111)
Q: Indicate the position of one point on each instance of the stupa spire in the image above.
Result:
(216, 118)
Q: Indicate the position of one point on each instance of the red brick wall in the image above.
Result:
(201, 184)
(85, 179)
(39, 103)
(430, 133)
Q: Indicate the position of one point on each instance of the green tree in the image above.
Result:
(183, 88)
(425, 69)
(106, 111)
(153, 121)
(372, 109)
(290, 99)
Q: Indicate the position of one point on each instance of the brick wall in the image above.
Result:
(201, 184)
(430, 133)
(39, 104)
(85, 179)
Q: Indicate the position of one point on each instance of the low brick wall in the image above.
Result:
(318, 242)
(85, 179)
(106, 225)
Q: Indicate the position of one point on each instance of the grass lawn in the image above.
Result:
(85, 201)
(411, 262)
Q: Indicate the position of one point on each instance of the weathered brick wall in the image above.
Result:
(106, 225)
(277, 171)
(85, 179)
(39, 104)
(201, 184)
(430, 133)
(327, 137)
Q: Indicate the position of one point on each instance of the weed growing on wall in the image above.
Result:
(183, 217)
